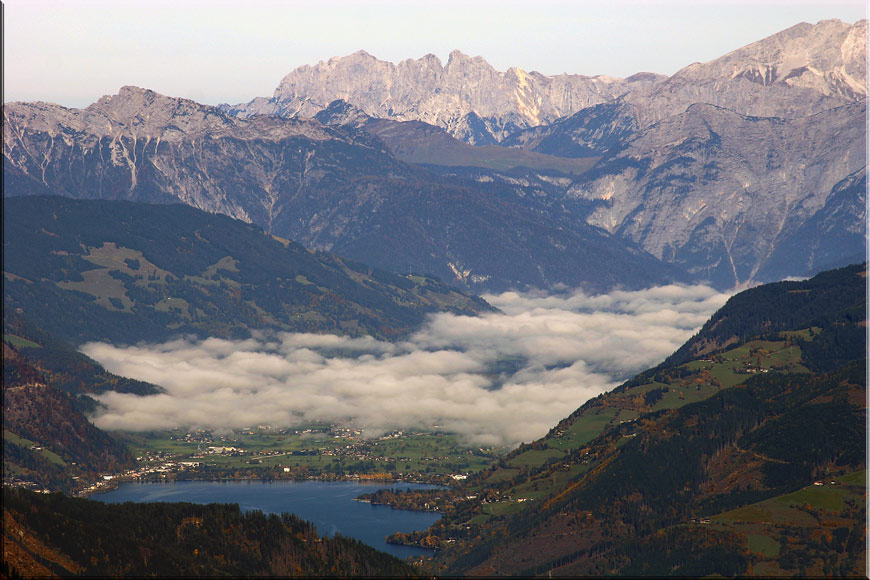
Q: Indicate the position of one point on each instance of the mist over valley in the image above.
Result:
(498, 379)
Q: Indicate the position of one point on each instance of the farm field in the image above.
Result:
(313, 450)
(785, 532)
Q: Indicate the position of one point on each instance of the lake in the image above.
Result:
(328, 505)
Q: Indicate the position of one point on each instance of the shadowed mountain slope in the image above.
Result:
(125, 272)
(330, 188)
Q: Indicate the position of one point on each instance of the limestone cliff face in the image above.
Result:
(143, 146)
(718, 192)
(467, 96)
(798, 72)
(718, 167)
(801, 71)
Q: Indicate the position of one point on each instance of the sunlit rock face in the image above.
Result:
(144, 146)
(466, 96)
(800, 71)
(796, 73)
(740, 169)
(718, 192)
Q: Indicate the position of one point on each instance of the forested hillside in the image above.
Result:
(126, 272)
(823, 301)
(48, 535)
(48, 443)
(747, 459)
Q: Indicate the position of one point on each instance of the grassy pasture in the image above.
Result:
(585, 428)
(764, 545)
(320, 451)
(19, 342)
(22, 442)
(799, 521)
(101, 285)
(534, 457)
(502, 508)
(791, 508)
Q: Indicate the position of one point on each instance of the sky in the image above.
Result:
(72, 52)
(496, 380)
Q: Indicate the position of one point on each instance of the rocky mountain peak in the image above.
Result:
(363, 54)
(342, 113)
(800, 71)
(459, 58)
(143, 113)
(429, 60)
(137, 120)
(132, 102)
(444, 95)
(645, 77)
(808, 56)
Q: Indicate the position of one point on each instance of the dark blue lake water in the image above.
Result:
(329, 505)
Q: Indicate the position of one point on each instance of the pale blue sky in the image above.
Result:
(74, 51)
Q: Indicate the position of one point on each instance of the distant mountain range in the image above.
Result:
(745, 169)
(466, 96)
(328, 188)
(800, 71)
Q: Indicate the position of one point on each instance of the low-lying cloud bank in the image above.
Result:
(497, 379)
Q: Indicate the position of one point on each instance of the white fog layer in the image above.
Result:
(497, 379)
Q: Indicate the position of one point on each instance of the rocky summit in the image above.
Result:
(800, 71)
(466, 96)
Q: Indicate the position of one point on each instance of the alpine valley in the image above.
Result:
(363, 200)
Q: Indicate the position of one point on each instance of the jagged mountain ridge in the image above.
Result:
(467, 96)
(795, 73)
(129, 146)
(329, 188)
(756, 190)
(800, 71)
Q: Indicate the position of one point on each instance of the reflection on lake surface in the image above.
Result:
(328, 505)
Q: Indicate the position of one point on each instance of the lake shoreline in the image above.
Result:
(331, 506)
(107, 486)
